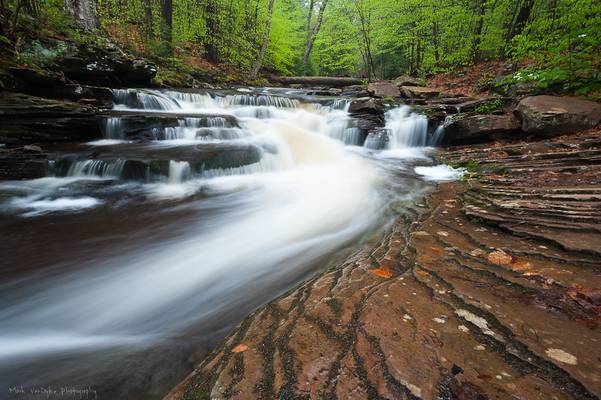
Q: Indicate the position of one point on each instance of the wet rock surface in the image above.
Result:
(27, 119)
(490, 290)
(21, 164)
(554, 115)
(480, 128)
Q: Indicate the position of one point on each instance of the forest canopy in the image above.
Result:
(373, 39)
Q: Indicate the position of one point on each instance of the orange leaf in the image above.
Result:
(382, 272)
(422, 273)
(240, 348)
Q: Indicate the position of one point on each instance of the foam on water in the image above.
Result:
(440, 173)
(34, 206)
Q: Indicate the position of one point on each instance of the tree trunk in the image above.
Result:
(312, 33)
(435, 42)
(167, 24)
(478, 31)
(366, 42)
(148, 19)
(212, 28)
(519, 21)
(85, 13)
(265, 42)
(522, 18)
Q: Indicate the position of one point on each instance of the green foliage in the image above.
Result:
(364, 38)
(489, 107)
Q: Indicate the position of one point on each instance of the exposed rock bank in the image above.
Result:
(490, 291)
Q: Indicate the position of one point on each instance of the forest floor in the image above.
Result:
(491, 289)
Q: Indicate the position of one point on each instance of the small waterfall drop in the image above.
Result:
(97, 168)
(179, 171)
(113, 128)
(406, 129)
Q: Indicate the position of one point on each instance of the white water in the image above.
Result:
(406, 128)
(246, 233)
(440, 173)
(306, 198)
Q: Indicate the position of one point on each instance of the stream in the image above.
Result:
(140, 251)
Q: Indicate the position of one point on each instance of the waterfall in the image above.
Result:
(437, 136)
(340, 104)
(113, 128)
(179, 171)
(97, 168)
(260, 100)
(406, 129)
(144, 99)
(219, 204)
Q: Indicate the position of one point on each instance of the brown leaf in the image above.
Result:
(240, 348)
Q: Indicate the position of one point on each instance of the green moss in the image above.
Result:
(489, 107)
(470, 165)
(388, 100)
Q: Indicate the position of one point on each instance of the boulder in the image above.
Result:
(366, 105)
(95, 63)
(411, 92)
(383, 89)
(479, 128)
(405, 80)
(355, 91)
(552, 115)
(369, 113)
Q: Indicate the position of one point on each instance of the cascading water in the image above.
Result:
(113, 128)
(179, 171)
(262, 189)
(406, 129)
(98, 168)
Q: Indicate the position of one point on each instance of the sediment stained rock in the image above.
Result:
(449, 303)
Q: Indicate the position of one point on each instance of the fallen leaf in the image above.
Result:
(561, 356)
(499, 257)
(422, 273)
(240, 348)
(381, 272)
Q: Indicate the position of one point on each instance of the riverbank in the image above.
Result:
(489, 288)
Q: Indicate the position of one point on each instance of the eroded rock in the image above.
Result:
(383, 89)
(465, 129)
(552, 115)
(419, 92)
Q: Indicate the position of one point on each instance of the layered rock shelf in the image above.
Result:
(489, 289)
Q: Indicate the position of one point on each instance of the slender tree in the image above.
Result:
(167, 25)
(264, 42)
(210, 13)
(148, 19)
(313, 31)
